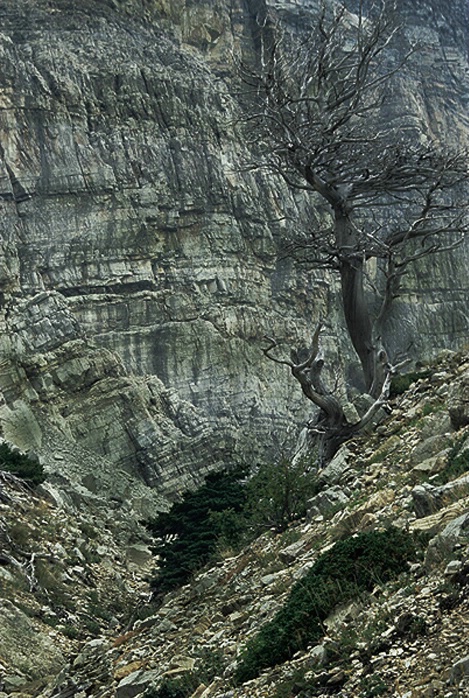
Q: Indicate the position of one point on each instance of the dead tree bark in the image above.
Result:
(331, 426)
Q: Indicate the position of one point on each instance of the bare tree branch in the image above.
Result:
(392, 195)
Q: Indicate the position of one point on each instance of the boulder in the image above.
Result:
(459, 670)
(430, 446)
(328, 501)
(339, 465)
(22, 645)
(292, 551)
(458, 401)
(430, 466)
(441, 546)
(318, 656)
(428, 499)
(136, 682)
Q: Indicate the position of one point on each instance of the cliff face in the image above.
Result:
(141, 265)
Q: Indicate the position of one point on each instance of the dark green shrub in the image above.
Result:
(210, 663)
(352, 566)
(92, 626)
(225, 512)
(402, 382)
(21, 465)
(70, 631)
(188, 534)
(278, 494)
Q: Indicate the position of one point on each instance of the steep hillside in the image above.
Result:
(142, 264)
(76, 618)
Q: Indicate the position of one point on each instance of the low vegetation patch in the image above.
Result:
(402, 382)
(226, 512)
(278, 494)
(351, 567)
(22, 466)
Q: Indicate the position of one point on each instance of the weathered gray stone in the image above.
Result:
(129, 220)
(206, 581)
(430, 466)
(269, 579)
(138, 554)
(318, 655)
(453, 567)
(458, 401)
(31, 654)
(291, 552)
(90, 651)
(442, 545)
(428, 499)
(136, 682)
(333, 472)
(327, 501)
(459, 670)
(436, 424)
(429, 447)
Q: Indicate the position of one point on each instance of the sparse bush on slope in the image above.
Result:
(226, 511)
(352, 566)
(278, 494)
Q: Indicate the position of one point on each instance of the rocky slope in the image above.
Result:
(75, 612)
(141, 265)
(67, 570)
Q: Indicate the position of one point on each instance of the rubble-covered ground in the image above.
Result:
(74, 617)
(68, 574)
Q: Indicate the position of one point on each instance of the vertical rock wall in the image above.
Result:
(141, 263)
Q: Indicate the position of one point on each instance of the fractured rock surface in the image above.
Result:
(141, 262)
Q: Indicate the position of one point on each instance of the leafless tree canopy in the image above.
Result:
(393, 194)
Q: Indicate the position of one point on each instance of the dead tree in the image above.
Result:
(331, 426)
(393, 195)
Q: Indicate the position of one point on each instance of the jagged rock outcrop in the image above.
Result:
(141, 264)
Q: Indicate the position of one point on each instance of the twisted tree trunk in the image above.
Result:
(331, 427)
(357, 317)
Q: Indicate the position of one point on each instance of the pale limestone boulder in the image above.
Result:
(327, 501)
(459, 670)
(338, 466)
(428, 499)
(442, 545)
(24, 648)
(137, 682)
